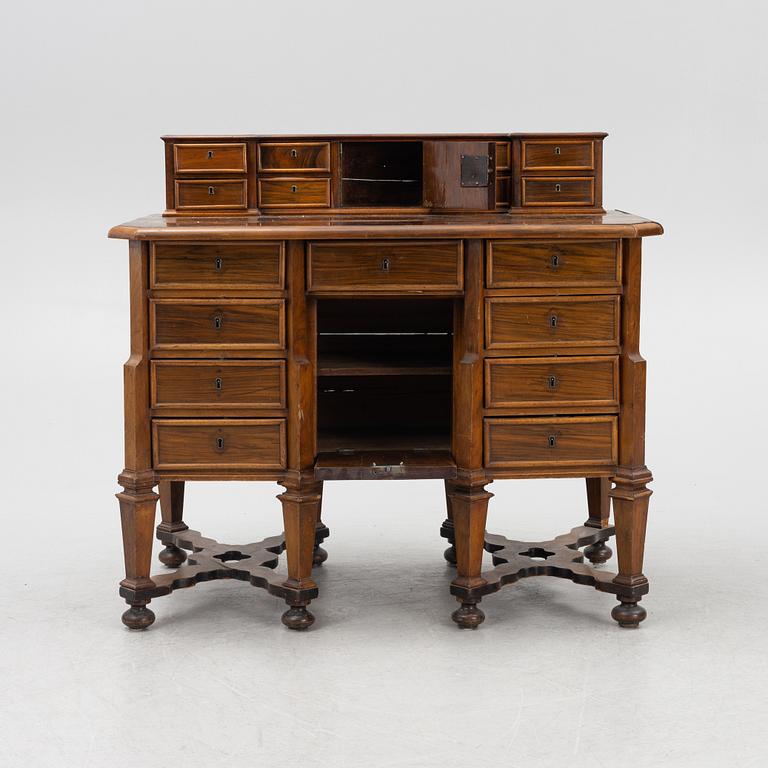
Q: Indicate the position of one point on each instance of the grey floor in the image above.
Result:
(384, 678)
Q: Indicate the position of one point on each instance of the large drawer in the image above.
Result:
(385, 266)
(209, 194)
(209, 158)
(217, 324)
(547, 264)
(554, 190)
(295, 156)
(220, 384)
(566, 321)
(552, 382)
(255, 266)
(294, 193)
(218, 443)
(550, 442)
(567, 154)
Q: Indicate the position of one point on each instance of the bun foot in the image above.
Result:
(172, 556)
(450, 555)
(598, 553)
(298, 617)
(468, 616)
(319, 556)
(138, 617)
(629, 615)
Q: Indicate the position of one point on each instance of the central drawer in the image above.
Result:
(568, 441)
(220, 384)
(544, 322)
(385, 267)
(217, 324)
(218, 443)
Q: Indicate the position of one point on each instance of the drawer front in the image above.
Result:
(300, 156)
(385, 266)
(532, 263)
(217, 265)
(551, 442)
(552, 382)
(503, 162)
(207, 194)
(217, 323)
(207, 158)
(294, 193)
(574, 321)
(218, 443)
(554, 190)
(554, 155)
(233, 384)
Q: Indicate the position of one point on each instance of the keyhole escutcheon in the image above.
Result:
(220, 443)
(385, 265)
(551, 441)
(552, 382)
(218, 264)
(210, 154)
(294, 153)
(211, 190)
(553, 320)
(217, 322)
(218, 383)
(557, 187)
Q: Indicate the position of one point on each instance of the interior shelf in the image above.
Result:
(391, 364)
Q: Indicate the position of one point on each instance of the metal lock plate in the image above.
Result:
(474, 170)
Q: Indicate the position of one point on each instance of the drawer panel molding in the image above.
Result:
(552, 382)
(558, 190)
(218, 444)
(562, 154)
(209, 158)
(222, 384)
(540, 263)
(256, 266)
(304, 156)
(217, 324)
(552, 442)
(565, 321)
(210, 194)
(294, 193)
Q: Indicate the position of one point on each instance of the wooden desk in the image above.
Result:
(324, 308)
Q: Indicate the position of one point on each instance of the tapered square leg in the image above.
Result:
(469, 506)
(301, 506)
(172, 512)
(137, 514)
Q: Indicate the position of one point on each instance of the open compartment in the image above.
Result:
(381, 174)
(384, 388)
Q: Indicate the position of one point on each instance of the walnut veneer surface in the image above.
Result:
(485, 334)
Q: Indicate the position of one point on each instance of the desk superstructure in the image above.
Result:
(318, 308)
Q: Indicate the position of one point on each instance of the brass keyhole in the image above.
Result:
(555, 261)
(218, 383)
(217, 322)
(552, 382)
(557, 187)
(557, 150)
(551, 441)
(294, 153)
(219, 264)
(211, 190)
(385, 265)
(553, 320)
(294, 188)
(210, 154)
(220, 443)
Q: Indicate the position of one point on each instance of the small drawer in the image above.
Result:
(558, 155)
(554, 190)
(294, 193)
(567, 321)
(217, 324)
(298, 156)
(208, 158)
(218, 443)
(552, 382)
(502, 190)
(255, 266)
(538, 263)
(209, 194)
(211, 385)
(385, 266)
(558, 442)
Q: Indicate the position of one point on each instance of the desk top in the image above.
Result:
(611, 224)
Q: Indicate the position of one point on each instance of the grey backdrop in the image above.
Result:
(86, 90)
